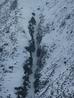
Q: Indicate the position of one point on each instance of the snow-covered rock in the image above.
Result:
(36, 48)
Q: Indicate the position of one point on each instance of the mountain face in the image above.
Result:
(36, 48)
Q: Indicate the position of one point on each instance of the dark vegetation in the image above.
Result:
(13, 5)
(22, 91)
(31, 47)
(41, 53)
(37, 81)
(39, 35)
(32, 23)
(1, 49)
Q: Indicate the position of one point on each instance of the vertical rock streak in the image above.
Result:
(32, 31)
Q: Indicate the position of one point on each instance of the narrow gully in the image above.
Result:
(31, 93)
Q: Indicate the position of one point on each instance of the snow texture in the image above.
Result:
(36, 48)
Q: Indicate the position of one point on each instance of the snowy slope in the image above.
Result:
(58, 39)
(36, 48)
(12, 50)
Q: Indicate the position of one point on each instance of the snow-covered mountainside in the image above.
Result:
(36, 48)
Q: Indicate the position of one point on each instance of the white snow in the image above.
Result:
(59, 42)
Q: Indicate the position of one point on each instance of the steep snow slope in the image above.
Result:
(12, 49)
(36, 48)
(56, 74)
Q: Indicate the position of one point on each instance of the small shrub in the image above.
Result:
(38, 52)
(13, 5)
(1, 49)
(32, 21)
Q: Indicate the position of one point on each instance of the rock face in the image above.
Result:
(37, 49)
